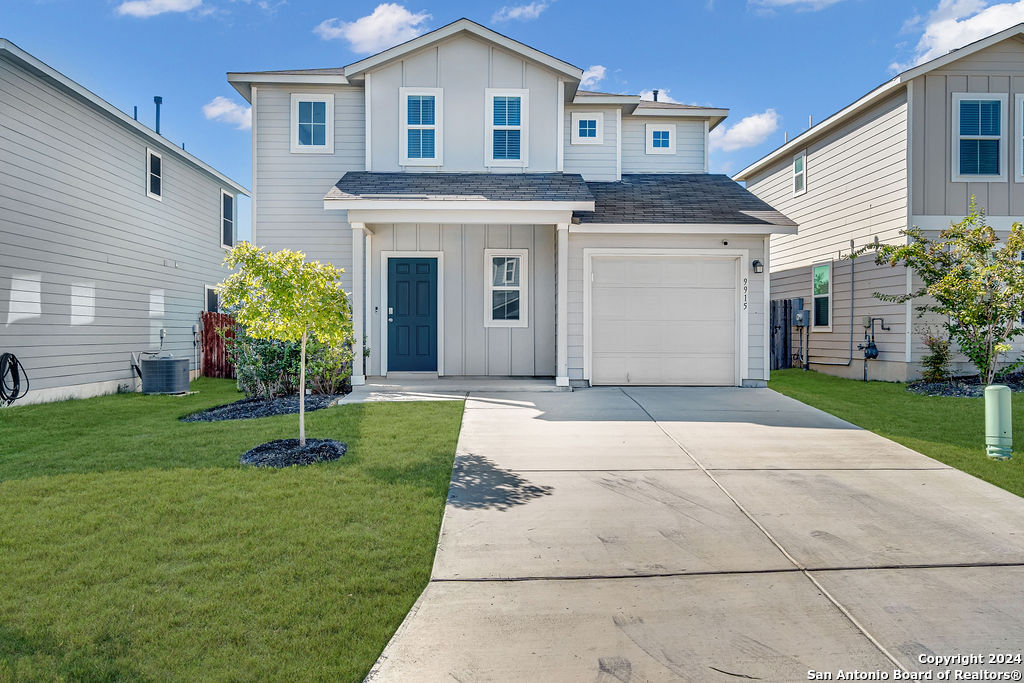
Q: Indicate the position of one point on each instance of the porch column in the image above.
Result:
(562, 303)
(357, 303)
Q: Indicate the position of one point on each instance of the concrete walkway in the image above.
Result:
(704, 534)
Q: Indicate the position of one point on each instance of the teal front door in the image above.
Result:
(412, 314)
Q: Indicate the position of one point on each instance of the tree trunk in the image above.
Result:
(302, 391)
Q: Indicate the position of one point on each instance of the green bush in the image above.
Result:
(936, 362)
(266, 368)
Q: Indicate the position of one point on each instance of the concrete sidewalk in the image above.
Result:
(704, 534)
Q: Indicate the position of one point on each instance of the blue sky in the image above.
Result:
(774, 63)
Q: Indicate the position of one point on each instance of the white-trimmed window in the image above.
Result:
(508, 127)
(505, 275)
(1019, 145)
(587, 128)
(661, 138)
(800, 173)
(421, 126)
(821, 297)
(312, 123)
(212, 299)
(227, 219)
(154, 175)
(979, 137)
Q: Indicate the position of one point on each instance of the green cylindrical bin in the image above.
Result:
(998, 422)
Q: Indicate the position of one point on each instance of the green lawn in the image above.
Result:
(133, 546)
(951, 430)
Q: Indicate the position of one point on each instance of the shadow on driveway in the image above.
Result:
(479, 484)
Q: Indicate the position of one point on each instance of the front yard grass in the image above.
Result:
(951, 430)
(134, 546)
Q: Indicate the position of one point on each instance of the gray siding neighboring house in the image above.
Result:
(884, 163)
(92, 267)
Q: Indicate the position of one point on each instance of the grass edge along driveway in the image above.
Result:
(950, 430)
(136, 547)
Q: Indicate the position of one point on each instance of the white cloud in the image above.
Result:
(388, 25)
(151, 8)
(593, 75)
(955, 23)
(519, 12)
(748, 132)
(663, 95)
(224, 110)
(801, 5)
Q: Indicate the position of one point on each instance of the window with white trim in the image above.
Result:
(505, 275)
(227, 219)
(587, 128)
(800, 173)
(154, 175)
(979, 137)
(661, 138)
(312, 123)
(1019, 144)
(821, 296)
(508, 140)
(212, 300)
(421, 128)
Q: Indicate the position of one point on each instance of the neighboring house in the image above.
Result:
(911, 152)
(110, 233)
(494, 219)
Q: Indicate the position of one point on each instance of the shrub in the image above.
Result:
(936, 362)
(267, 368)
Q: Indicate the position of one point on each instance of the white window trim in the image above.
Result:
(649, 147)
(1002, 98)
(1018, 134)
(524, 127)
(403, 125)
(328, 146)
(831, 272)
(524, 287)
(150, 153)
(803, 156)
(234, 218)
(206, 298)
(574, 130)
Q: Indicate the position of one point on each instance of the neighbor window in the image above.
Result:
(1019, 114)
(421, 126)
(227, 220)
(212, 300)
(979, 144)
(154, 175)
(507, 131)
(800, 173)
(661, 138)
(587, 128)
(821, 296)
(505, 272)
(312, 121)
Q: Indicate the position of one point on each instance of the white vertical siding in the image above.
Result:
(690, 143)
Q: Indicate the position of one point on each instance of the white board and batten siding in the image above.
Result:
(598, 163)
(91, 268)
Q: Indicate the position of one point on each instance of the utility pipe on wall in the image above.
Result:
(849, 361)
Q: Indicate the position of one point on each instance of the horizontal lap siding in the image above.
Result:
(290, 188)
(690, 142)
(594, 162)
(74, 211)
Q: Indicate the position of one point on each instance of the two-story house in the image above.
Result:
(912, 152)
(494, 219)
(110, 233)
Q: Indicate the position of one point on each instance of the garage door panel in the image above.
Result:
(661, 369)
(662, 336)
(664, 303)
(640, 271)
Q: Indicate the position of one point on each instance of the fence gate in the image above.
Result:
(782, 334)
(215, 356)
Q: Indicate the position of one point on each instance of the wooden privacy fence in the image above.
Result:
(782, 334)
(215, 353)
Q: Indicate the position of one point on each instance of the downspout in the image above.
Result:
(849, 360)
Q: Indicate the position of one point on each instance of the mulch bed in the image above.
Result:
(249, 408)
(287, 452)
(966, 387)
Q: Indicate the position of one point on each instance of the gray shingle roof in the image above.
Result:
(521, 187)
(678, 198)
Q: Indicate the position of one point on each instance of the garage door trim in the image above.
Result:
(740, 256)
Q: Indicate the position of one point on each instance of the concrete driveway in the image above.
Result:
(704, 534)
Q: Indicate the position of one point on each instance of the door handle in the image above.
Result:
(391, 320)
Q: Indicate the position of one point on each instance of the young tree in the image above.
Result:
(279, 295)
(972, 279)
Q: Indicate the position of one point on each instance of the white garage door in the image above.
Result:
(663, 320)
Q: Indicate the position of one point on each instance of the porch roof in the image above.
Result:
(369, 187)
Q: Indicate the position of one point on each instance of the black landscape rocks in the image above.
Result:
(249, 408)
(966, 387)
(287, 452)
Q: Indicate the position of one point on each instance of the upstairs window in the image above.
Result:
(312, 122)
(587, 128)
(212, 300)
(821, 296)
(154, 175)
(421, 126)
(227, 220)
(506, 297)
(979, 143)
(661, 138)
(507, 130)
(800, 173)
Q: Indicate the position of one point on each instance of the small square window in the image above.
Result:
(586, 128)
(661, 138)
